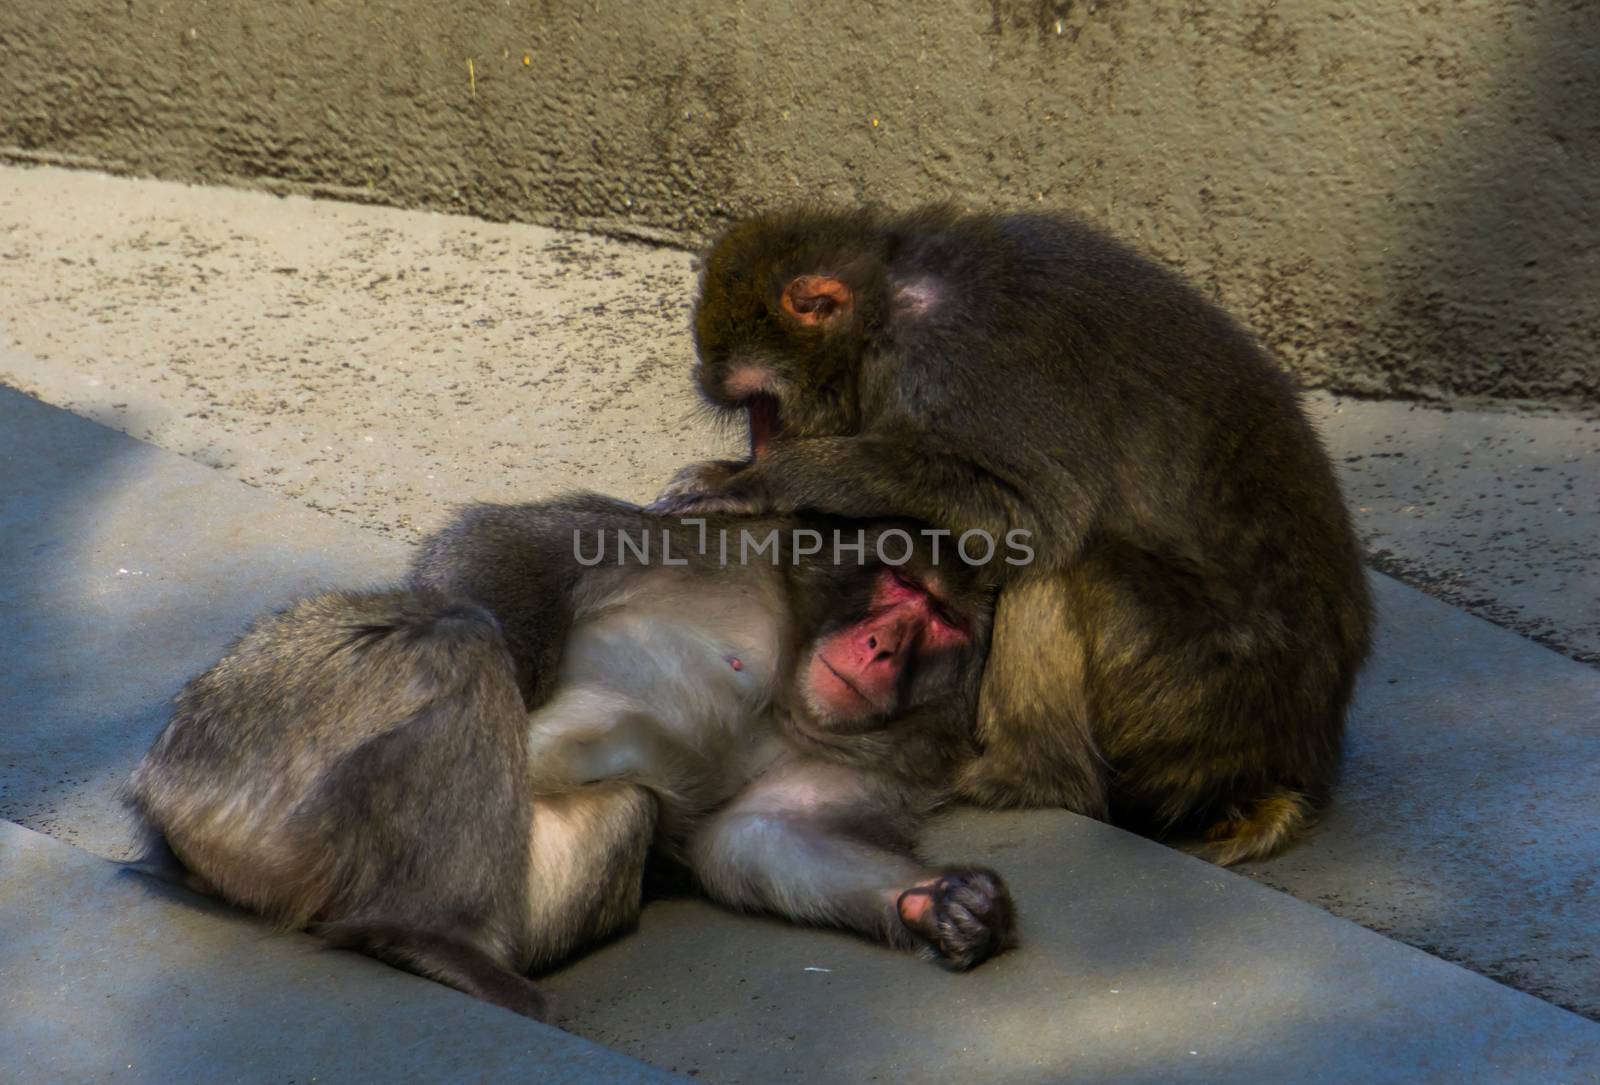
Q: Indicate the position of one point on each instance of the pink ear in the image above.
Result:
(816, 299)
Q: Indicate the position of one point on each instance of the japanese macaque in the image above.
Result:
(1180, 654)
(463, 776)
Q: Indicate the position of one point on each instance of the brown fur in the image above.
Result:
(1259, 831)
(1188, 637)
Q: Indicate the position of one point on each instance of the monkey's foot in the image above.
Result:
(964, 916)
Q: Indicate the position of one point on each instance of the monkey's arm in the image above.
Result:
(521, 563)
(577, 740)
(871, 476)
(821, 843)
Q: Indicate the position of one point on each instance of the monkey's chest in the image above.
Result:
(701, 674)
(670, 689)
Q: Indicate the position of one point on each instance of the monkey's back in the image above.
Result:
(1219, 612)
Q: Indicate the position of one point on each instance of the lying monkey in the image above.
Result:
(364, 764)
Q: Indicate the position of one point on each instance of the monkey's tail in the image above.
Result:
(1262, 829)
(438, 957)
(157, 860)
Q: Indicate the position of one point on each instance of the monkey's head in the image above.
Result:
(789, 303)
(885, 639)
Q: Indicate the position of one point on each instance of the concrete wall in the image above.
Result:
(1401, 198)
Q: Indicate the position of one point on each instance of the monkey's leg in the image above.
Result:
(1222, 715)
(582, 737)
(828, 845)
(1033, 716)
(429, 815)
(587, 860)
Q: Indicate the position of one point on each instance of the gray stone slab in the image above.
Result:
(1497, 512)
(1467, 821)
(1138, 964)
(107, 976)
(128, 570)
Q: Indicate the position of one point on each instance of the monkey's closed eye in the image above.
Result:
(906, 579)
(937, 609)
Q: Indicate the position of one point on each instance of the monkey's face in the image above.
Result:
(913, 641)
(782, 320)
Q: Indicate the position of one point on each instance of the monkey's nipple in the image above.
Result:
(736, 663)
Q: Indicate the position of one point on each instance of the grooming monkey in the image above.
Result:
(1180, 655)
(365, 764)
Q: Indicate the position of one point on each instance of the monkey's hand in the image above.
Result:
(964, 915)
(715, 487)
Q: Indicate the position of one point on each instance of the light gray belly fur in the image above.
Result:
(668, 684)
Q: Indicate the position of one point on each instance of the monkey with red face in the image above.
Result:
(463, 776)
(795, 719)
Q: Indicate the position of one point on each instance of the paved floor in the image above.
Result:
(1496, 511)
(108, 976)
(1137, 964)
(378, 363)
(130, 568)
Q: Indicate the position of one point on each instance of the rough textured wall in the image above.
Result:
(1399, 198)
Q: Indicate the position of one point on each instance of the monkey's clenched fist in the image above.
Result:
(964, 916)
(709, 488)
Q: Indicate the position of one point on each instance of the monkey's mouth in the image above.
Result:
(849, 685)
(765, 423)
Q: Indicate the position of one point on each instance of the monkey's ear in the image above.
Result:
(816, 300)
